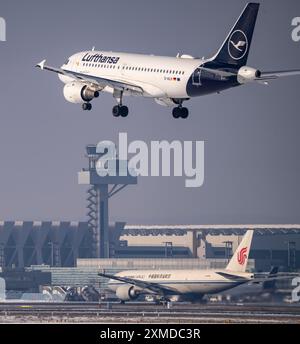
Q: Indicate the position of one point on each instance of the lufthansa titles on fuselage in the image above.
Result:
(100, 58)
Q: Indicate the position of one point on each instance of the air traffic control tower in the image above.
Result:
(101, 189)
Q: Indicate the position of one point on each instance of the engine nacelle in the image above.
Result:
(127, 293)
(77, 93)
(247, 74)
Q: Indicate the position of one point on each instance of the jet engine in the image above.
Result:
(127, 293)
(77, 93)
(247, 74)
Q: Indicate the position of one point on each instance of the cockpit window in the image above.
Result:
(67, 62)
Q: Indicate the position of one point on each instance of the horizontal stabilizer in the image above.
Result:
(267, 76)
(41, 64)
(232, 277)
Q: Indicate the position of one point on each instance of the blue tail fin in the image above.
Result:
(235, 49)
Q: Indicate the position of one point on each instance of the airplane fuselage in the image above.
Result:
(158, 76)
(185, 281)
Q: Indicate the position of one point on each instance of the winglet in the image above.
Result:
(41, 64)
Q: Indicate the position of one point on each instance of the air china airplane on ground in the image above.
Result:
(169, 80)
(188, 284)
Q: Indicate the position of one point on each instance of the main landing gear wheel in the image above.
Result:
(184, 112)
(164, 301)
(120, 110)
(180, 112)
(87, 106)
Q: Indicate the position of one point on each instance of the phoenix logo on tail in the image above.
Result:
(242, 255)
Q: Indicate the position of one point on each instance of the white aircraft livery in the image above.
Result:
(187, 284)
(170, 81)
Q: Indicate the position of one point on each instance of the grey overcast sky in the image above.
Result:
(252, 164)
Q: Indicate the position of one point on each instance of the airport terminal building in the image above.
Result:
(63, 244)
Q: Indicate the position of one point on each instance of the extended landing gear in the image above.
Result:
(87, 106)
(164, 301)
(180, 112)
(120, 110)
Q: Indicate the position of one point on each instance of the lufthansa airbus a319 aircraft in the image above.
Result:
(170, 81)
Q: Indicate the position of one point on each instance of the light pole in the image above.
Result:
(291, 254)
(167, 245)
(50, 243)
(291, 251)
(228, 250)
(2, 260)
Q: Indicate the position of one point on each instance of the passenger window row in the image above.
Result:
(140, 69)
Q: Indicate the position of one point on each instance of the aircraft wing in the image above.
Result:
(268, 76)
(95, 81)
(154, 287)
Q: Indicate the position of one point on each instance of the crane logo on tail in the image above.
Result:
(238, 45)
(242, 255)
